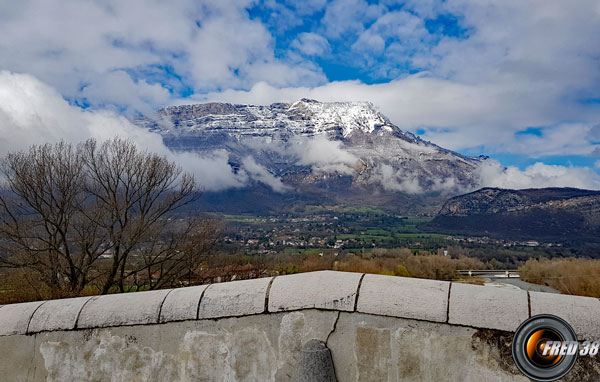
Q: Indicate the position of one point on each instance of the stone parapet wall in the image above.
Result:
(379, 328)
(418, 299)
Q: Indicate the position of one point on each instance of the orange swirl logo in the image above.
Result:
(545, 348)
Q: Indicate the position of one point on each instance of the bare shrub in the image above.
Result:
(570, 276)
(401, 262)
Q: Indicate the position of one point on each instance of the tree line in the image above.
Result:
(96, 215)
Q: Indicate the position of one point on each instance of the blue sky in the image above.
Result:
(518, 80)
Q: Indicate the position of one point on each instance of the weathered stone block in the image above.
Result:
(14, 318)
(404, 297)
(583, 313)
(322, 290)
(122, 309)
(236, 298)
(487, 307)
(182, 304)
(57, 315)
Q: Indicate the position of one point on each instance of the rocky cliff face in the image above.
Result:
(340, 146)
(550, 214)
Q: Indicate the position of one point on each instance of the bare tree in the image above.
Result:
(42, 190)
(174, 252)
(66, 209)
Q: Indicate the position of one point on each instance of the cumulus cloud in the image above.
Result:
(212, 170)
(518, 63)
(562, 139)
(594, 134)
(538, 175)
(597, 164)
(397, 180)
(344, 17)
(400, 180)
(465, 116)
(261, 174)
(484, 72)
(32, 112)
(311, 44)
(133, 54)
(324, 156)
(398, 35)
(492, 174)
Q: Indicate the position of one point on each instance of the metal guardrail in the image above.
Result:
(496, 272)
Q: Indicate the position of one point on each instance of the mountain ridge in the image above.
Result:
(307, 143)
(565, 215)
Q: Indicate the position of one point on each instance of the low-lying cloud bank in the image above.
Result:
(492, 174)
(538, 175)
(32, 112)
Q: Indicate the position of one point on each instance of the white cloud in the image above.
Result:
(212, 170)
(77, 47)
(400, 35)
(31, 112)
(597, 164)
(311, 44)
(455, 116)
(396, 180)
(324, 156)
(563, 139)
(261, 174)
(460, 110)
(521, 63)
(34, 113)
(594, 134)
(307, 7)
(344, 17)
(538, 175)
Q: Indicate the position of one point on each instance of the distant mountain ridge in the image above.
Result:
(549, 214)
(336, 149)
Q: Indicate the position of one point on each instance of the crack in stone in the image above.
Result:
(31, 317)
(358, 291)
(334, 327)
(200, 301)
(448, 303)
(81, 310)
(161, 305)
(267, 294)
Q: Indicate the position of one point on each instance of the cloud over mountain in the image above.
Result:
(473, 76)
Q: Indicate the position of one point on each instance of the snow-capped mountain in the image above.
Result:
(344, 147)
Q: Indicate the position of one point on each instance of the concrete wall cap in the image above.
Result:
(583, 313)
(236, 298)
(437, 301)
(122, 309)
(14, 318)
(182, 304)
(57, 315)
(322, 290)
(487, 307)
(404, 297)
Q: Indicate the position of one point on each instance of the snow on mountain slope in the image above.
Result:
(315, 143)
